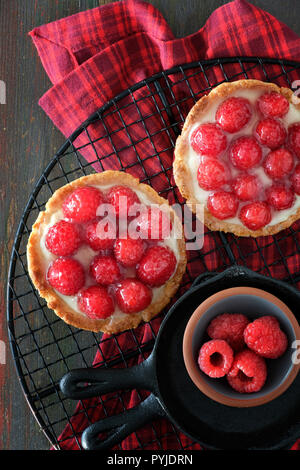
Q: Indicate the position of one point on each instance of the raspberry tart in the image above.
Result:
(100, 256)
(238, 157)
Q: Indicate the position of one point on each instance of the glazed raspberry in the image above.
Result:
(278, 163)
(105, 270)
(63, 238)
(123, 199)
(133, 296)
(222, 204)
(280, 197)
(294, 138)
(95, 302)
(246, 187)
(156, 266)
(82, 204)
(248, 372)
(233, 114)
(255, 215)
(295, 179)
(211, 174)
(273, 104)
(99, 237)
(208, 139)
(215, 358)
(153, 224)
(265, 337)
(271, 133)
(245, 153)
(230, 327)
(66, 275)
(129, 251)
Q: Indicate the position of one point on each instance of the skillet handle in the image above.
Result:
(122, 425)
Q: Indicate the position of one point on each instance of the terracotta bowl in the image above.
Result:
(253, 303)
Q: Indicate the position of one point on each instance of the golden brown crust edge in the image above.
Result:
(181, 171)
(56, 303)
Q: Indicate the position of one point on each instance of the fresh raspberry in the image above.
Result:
(129, 251)
(123, 199)
(98, 236)
(294, 138)
(133, 296)
(66, 275)
(280, 197)
(265, 337)
(295, 179)
(255, 215)
(95, 302)
(233, 114)
(63, 238)
(222, 204)
(246, 187)
(105, 270)
(215, 358)
(153, 224)
(208, 139)
(278, 163)
(273, 104)
(230, 327)
(271, 133)
(245, 153)
(156, 266)
(248, 372)
(82, 204)
(211, 174)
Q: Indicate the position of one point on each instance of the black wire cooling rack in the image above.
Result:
(134, 132)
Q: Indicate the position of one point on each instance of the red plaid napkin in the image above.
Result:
(90, 58)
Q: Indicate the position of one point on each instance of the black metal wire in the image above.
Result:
(44, 348)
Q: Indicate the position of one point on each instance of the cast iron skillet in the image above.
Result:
(275, 425)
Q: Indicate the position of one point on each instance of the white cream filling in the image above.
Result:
(292, 116)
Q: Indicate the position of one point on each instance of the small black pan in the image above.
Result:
(275, 425)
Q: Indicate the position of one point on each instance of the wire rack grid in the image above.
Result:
(134, 132)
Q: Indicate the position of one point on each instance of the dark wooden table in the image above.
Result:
(28, 140)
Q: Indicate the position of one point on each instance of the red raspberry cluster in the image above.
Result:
(238, 349)
(124, 269)
(229, 159)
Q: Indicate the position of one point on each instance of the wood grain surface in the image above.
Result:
(28, 140)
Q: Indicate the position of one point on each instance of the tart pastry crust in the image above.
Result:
(37, 269)
(182, 173)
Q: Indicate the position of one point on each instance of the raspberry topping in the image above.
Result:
(66, 275)
(123, 199)
(129, 251)
(229, 327)
(211, 174)
(294, 138)
(255, 215)
(222, 204)
(295, 179)
(265, 337)
(273, 104)
(153, 224)
(105, 270)
(233, 114)
(245, 153)
(215, 358)
(208, 139)
(99, 236)
(63, 238)
(280, 197)
(246, 187)
(248, 372)
(82, 204)
(95, 302)
(156, 266)
(133, 296)
(271, 133)
(278, 163)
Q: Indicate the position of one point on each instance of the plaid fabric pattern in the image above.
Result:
(90, 58)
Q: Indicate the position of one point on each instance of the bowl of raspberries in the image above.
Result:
(239, 346)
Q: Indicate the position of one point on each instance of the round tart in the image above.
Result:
(107, 253)
(238, 156)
